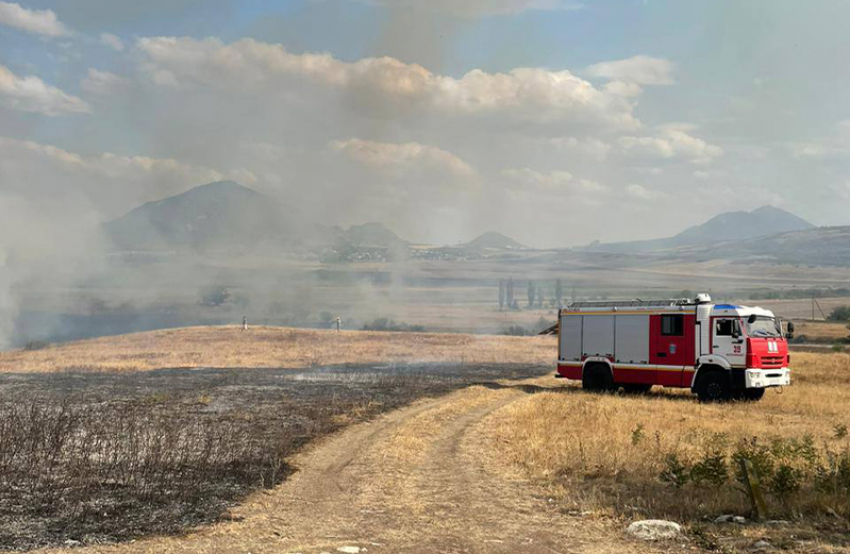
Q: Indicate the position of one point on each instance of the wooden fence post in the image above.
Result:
(751, 481)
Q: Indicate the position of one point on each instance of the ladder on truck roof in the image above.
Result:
(637, 303)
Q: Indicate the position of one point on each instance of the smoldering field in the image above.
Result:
(56, 300)
(104, 456)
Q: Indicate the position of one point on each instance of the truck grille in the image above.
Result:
(772, 361)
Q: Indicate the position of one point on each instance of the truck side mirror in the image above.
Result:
(790, 334)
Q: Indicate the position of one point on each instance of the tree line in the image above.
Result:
(536, 294)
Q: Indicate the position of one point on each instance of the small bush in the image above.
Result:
(786, 480)
(840, 313)
(711, 469)
(833, 475)
(675, 472)
(637, 434)
(758, 454)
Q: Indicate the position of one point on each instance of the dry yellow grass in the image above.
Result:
(261, 347)
(825, 331)
(606, 453)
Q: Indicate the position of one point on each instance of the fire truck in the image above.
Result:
(719, 351)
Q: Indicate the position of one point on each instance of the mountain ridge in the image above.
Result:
(727, 226)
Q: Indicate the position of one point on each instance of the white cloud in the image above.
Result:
(555, 183)
(591, 147)
(112, 41)
(41, 22)
(382, 84)
(383, 155)
(639, 192)
(834, 147)
(103, 82)
(26, 163)
(477, 8)
(818, 150)
(31, 94)
(649, 170)
(640, 70)
(671, 142)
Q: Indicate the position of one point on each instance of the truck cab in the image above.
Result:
(749, 343)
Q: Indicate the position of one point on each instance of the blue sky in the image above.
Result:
(555, 121)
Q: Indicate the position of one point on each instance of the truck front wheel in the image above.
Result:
(714, 386)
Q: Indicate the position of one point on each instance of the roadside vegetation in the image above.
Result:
(666, 456)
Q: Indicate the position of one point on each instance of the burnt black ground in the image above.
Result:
(234, 428)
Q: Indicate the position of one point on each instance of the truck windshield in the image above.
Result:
(763, 327)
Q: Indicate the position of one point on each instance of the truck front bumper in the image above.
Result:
(762, 378)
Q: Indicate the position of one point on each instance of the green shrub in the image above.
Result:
(711, 469)
(675, 472)
(758, 454)
(840, 313)
(637, 434)
(786, 480)
(833, 474)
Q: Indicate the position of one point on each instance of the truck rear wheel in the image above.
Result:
(753, 395)
(714, 386)
(597, 378)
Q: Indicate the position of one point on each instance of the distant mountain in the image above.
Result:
(492, 240)
(227, 217)
(213, 217)
(372, 234)
(764, 221)
(821, 246)
(728, 226)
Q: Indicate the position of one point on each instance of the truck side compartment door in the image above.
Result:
(631, 350)
(672, 346)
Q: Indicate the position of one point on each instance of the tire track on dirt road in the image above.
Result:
(422, 479)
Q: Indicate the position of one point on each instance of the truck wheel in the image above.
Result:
(714, 386)
(635, 388)
(753, 395)
(597, 378)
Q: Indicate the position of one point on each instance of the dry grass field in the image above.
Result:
(821, 331)
(274, 347)
(604, 460)
(666, 456)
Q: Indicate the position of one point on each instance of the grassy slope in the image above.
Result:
(607, 453)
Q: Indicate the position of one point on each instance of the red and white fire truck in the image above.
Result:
(719, 351)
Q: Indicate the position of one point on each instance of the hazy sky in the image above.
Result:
(557, 122)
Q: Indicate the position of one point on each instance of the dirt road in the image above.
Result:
(426, 478)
